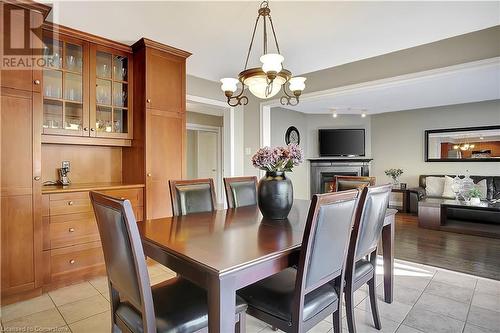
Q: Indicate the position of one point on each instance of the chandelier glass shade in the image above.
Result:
(268, 80)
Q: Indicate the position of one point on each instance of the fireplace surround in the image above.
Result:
(324, 170)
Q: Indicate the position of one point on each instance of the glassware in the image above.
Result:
(467, 185)
(456, 186)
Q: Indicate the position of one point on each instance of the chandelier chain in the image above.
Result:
(251, 41)
(274, 34)
(265, 34)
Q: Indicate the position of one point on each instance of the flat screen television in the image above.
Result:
(341, 142)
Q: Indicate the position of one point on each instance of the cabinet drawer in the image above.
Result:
(135, 195)
(75, 258)
(69, 203)
(72, 229)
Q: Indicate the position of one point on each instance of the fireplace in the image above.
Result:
(323, 172)
(327, 180)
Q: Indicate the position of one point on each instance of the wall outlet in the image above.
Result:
(248, 151)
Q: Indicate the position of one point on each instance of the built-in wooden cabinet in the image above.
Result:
(158, 147)
(65, 86)
(87, 90)
(111, 92)
(165, 80)
(93, 92)
(20, 147)
(71, 245)
(20, 192)
(165, 139)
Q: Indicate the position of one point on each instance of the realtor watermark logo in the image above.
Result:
(23, 47)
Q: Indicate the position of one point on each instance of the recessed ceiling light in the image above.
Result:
(481, 138)
(334, 115)
(363, 115)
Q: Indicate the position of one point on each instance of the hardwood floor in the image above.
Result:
(464, 253)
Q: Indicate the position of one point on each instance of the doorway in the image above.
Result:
(204, 155)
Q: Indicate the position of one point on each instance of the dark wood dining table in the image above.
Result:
(225, 250)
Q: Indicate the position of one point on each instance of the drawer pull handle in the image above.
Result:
(148, 100)
(70, 203)
(149, 175)
(37, 82)
(37, 178)
(71, 229)
(72, 261)
(122, 198)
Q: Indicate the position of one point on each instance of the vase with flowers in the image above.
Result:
(275, 190)
(394, 174)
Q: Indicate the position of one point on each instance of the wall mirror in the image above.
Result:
(470, 144)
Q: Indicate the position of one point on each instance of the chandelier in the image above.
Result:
(464, 146)
(266, 81)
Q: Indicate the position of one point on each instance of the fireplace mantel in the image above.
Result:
(324, 170)
(339, 159)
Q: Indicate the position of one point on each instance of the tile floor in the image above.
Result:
(427, 299)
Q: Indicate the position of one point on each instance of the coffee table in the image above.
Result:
(432, 214)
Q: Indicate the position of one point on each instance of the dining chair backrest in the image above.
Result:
(123, 255)
(192, 196)
(241, 191)
(343, 183)
(370, 219)
(325, 241)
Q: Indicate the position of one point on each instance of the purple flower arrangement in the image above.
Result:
(278, 159)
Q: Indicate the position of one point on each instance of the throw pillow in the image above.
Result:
(434, 186)
(448, 187)
(482, 186)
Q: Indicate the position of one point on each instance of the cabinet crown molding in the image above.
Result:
(30, 5)
(61, 29)
(145, 42)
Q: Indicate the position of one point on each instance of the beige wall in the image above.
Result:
(469, 47)
(474, 46)
(308, 125)
(398, 139)
(203, 119)
(281, 119)
(196, 86)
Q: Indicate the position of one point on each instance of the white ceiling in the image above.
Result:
(312, 35)
(474, 82)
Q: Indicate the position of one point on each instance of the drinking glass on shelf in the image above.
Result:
(70, 61)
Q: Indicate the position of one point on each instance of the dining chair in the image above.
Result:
(241, 191)
(362, 254)
(343, 183)
(192, 196)
(296, 299)
(175, 305)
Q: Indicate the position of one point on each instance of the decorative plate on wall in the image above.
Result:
(292, 135)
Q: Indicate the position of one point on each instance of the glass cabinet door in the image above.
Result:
(112, 89)
(63, 88)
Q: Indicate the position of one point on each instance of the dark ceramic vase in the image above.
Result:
(275, 195)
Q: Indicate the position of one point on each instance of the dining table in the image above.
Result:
(225, 250)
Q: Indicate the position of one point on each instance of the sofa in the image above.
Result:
(493, 192)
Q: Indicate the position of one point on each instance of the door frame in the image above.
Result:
(220, 155)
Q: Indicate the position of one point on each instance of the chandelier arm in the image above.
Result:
(251, 41)
(274, 34)
(288, 99)
(240, 99)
